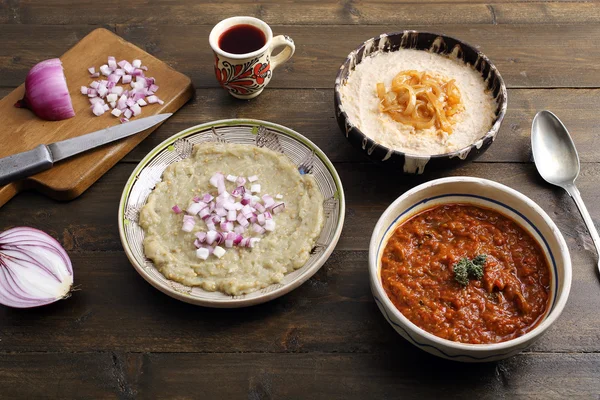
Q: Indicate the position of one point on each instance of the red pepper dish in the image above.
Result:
(417, 272)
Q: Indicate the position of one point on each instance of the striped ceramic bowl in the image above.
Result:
(309, 158)
(493, 196)
(431, 42)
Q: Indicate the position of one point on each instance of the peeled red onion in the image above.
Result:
(34, 269)
(46, 92)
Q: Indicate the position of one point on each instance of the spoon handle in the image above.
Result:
(574, 193)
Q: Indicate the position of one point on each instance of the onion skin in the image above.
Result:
(34, 269)
(46, 92)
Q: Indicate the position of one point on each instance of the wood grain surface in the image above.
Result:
(307, 12)
(528, 56)
(24, 131)
(117, 337)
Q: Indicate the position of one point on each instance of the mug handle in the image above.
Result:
(285, 54)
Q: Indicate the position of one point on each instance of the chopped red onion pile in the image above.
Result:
(230, 215)
(34, 269)
(125, 101)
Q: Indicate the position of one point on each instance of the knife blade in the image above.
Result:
(43, 157)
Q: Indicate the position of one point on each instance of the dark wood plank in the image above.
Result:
(369, 190)
(111, 290)
(526, 55)
(436, 12)
(116, 310)
(24, 46)
(294, 376)
(397, 374)
(574, 107)
(313, 116)
(337, 300)
(44, 375)
(273, 12)
(89, 222)
(309, 112)
(545, 12)
(378, 188)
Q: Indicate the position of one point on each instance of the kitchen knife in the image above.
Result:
(43, 157)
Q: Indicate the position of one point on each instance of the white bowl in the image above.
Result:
(494, 196)
(303, 152)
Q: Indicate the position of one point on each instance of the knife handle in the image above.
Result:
(22, 165)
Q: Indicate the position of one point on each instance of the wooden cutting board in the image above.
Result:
(22, 130)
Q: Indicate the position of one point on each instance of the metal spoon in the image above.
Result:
(556, 159)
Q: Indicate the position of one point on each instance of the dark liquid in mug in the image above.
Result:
(242, 39)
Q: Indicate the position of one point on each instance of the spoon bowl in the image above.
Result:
(553, 150)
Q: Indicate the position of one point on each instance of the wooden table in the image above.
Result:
(117, 337)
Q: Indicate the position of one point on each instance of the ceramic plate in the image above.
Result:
(309, 159)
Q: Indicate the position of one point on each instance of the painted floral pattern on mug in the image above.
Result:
(243, 79)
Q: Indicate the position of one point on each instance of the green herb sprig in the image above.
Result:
(465, 269)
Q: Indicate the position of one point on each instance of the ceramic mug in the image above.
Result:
(246, 75)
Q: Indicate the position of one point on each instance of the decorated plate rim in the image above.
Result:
(232, 302)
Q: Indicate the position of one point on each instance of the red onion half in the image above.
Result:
(46, 92)
(34, 269)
